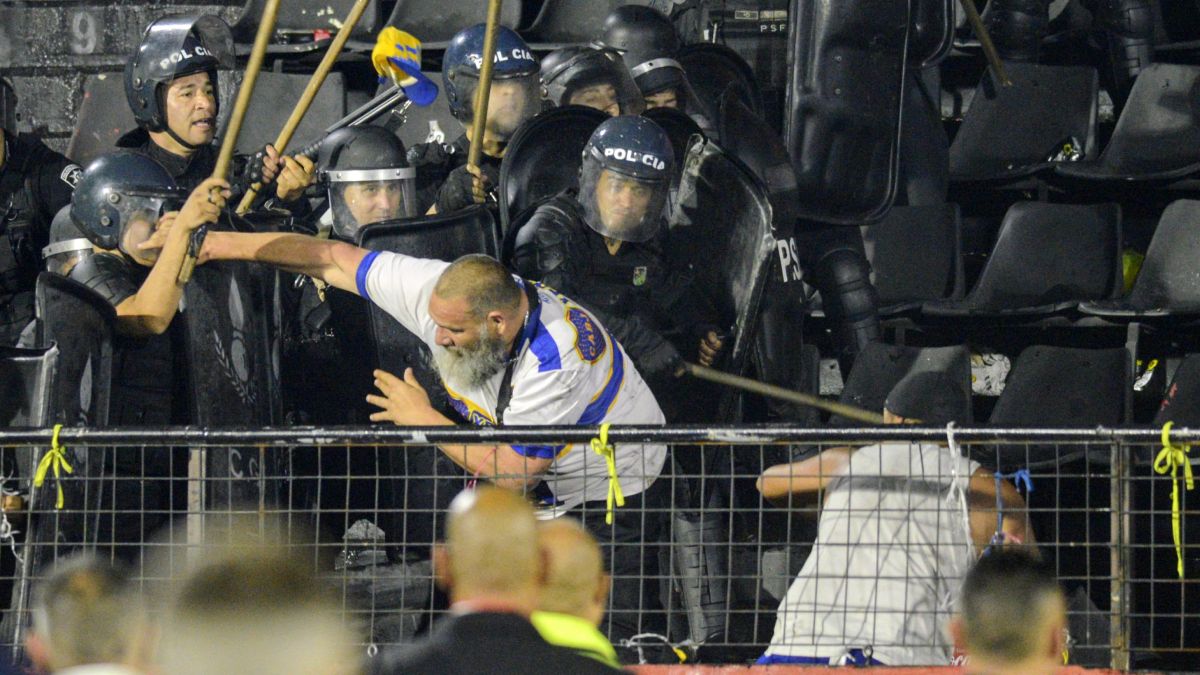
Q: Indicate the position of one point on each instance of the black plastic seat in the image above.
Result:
(434, 22)
(1012, 132)
(543, 158)
(879, 367)
(103, 116)
(570, 21)
(1058, 387)
(1047, 258)
(1167, 283)
(1157, 134)
(916, 256)
(305, 17)
(275, 95)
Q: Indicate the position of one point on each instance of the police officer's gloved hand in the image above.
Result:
(459, 190)
(661, 361)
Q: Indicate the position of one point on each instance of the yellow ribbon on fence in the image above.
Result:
(55, 459)
(1169, 459)
(602, 447)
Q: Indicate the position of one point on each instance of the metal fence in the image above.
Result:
(701, 562)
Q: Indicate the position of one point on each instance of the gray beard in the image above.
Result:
(474, 365)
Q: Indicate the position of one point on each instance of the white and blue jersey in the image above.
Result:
(569, 371)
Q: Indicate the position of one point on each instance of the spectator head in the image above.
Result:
(928, 397)
(1012, 616)
(575, 582)
(255, 609)
(88, 612)
(491, 551)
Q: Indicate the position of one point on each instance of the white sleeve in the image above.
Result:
(400, 285)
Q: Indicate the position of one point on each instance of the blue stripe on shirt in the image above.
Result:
(595, 412)
(538, 451)
(545, 349)
(360, 277)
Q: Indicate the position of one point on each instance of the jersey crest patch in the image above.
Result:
(589, 341)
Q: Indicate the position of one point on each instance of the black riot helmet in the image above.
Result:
(639, 28)
(67, 246)
(625, 178)
(174, 47)
(517, 89)
(366, 172)
(119, 199)
(591, 76)
(8, 107)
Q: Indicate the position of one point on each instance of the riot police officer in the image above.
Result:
(605, 245)
(592, 76)
(35, 183)
(129, 207)
(444, 181)
(171, 86)
(67, 246)
(647, 41)
(367, 178)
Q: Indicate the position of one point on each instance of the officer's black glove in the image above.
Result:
(427, 153)
(662, 360)
(458, 192)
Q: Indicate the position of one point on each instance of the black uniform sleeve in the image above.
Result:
(433, 165)
(109, 275)
(54, 178)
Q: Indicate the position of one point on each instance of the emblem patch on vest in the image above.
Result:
(639, 275)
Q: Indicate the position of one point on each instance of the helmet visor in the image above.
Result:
(619, 206)
(511, 101)
(598, 79)
(365, 197)
(140, 211)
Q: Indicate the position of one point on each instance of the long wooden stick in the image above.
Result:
(985, 41)
(484, 90)
(221, 170)
(310, 92)
(772, 391)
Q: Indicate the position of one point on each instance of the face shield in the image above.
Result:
(511, 101)
(140, 211)
(62, 256)
(358, 198)
(620, 206)
(596, 78)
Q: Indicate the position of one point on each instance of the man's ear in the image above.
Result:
(497, 320)
(38, 651)
(603, 586)
(958, 634)
(441, 567)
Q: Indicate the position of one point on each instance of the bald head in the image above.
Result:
(574, 582)
(492, 547)
(483, 282)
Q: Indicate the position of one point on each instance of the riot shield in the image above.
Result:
(721, 224)
(842, 118)
(422, 502)
(714, 69)
(232, 374)
(747, 136)
(543, 159)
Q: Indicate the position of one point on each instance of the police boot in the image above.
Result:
(843, 275)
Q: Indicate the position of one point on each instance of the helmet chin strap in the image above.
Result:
(172, 134)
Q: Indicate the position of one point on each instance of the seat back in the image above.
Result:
(103, 116)
(1167, 279)
(1051, 255)
(1159, 129)
(1009, 132)
(879, 367)
(543, 158)
(275, 95)
(307, 16)
(434, 22)
(916, 255)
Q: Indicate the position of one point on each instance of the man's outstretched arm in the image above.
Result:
(334, 262)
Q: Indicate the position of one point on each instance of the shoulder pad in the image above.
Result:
(107, 274)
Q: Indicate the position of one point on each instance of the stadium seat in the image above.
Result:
(434, 22)
(1157, 134)
(275, 95)
(422, 124)
(103, 116)
(1047, 258)
(305, 17)
(1167, 283)
(543, 159)
(880, 366)
(916, 256)
(1012, 132)
(1059, 387)
(571, 21)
